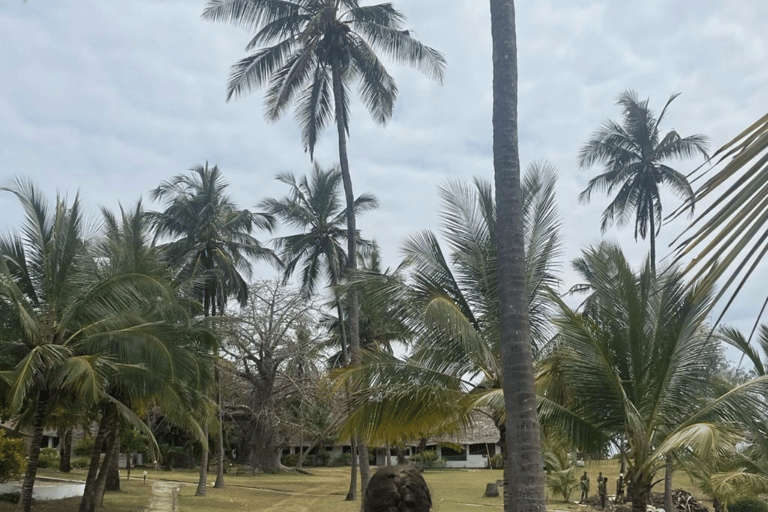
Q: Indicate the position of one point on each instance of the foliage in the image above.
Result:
(729, 237)
(634, 154)
(497, 461)
(84, 446)
(429, 459)
(319, 49)
(749, 505)
(10, 497)
(637, 368)
(49, 458)
(563, 482)
(80, 462)
(345, 459)
(450, 304)
(289, 459)
(12, 461)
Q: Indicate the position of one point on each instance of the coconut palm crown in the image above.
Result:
(634, 154)
(309, 52)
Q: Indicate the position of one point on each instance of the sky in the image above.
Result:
(109, 98)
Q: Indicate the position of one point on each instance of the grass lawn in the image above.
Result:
(322, 491)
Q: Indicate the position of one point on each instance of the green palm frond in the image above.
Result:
(729, 238)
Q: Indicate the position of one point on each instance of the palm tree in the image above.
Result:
(319, 48)
(450, 303)
(524, 480)
(161, 356)
(56, 305)
(313, 207)
(634, 155)
(732, 231)
(212, 248)
(637, 370)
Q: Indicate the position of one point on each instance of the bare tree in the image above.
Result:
(268, 337)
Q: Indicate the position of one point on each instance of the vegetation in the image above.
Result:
(11, 456)
(634, 154)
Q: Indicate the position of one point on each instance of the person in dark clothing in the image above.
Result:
(620, 489)
(602, 491)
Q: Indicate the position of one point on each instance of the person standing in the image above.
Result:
(584, 486)
(620, 489)
(602, 490)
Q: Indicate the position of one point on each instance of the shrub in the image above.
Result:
(10, 497)
(345, 459)
(49, 458)
(748, 505)
(12, 459)
(80, 462)
(563, 482)
(84, 447)
(497, 461)
(429, 459)
(290, 459)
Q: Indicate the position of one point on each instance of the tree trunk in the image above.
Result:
(220, 446)
(524, 478)
(352, 296)
(41, 405)
(668, 485)
(128, 464)
(352, 493)
(365, 468)
(113, 473)
(653, 243)
(112, 447)
(65, 450)
(202, 481)
(264, 441)
(89, 493)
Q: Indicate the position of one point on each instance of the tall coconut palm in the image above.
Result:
(524, 489)
(450, 303)
(212, 247)
(319, 48)
(55, 304)
(160, 355)
(636, 369)
(729, 238)
(313, 207)
(635, 154)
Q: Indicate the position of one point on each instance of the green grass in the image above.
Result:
(322, 491)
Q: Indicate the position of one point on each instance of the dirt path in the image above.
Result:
(165, 497)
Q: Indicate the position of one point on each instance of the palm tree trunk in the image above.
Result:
(653, 243)
(352, 493)
(65, 450)
(110, 454)
(668, 485)
(41, 405)
(352, 297)
(89, 493)
(524, 478)
(220, 447)
(203, 480)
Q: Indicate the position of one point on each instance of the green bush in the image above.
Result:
(80, 462)
(563, 482)
(429, 459)
(497, 461)
(748, 505)
(49, 458)
(345, 459)
(84, 447)
(290, 459)
(12, 461)
(10, 497)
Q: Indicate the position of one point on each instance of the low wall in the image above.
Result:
(48, 488)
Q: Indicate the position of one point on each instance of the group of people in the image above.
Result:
(602, 488)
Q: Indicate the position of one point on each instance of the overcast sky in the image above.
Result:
(109, 97)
